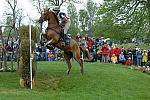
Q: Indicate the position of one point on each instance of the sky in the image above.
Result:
(28, 8)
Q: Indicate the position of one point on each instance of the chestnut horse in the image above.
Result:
(53, 36)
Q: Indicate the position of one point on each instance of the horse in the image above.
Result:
(53, 36)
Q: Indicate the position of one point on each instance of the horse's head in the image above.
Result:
(45, 15)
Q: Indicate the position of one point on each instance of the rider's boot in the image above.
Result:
(63, 41)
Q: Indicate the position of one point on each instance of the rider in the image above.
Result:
(64, 22)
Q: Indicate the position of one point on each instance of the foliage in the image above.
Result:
(132, 17)
(83, 19)
(8, 26)
(99, 82)
(24, 32)
(16, 15)
(91, 9)
(72, 12)
(87, 16)
(24, 68)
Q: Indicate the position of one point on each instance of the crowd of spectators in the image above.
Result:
(101, 50)
(10, 47)
(44, 54)
(113, 53)
(131, 56)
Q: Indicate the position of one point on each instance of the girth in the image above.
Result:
(53, 28)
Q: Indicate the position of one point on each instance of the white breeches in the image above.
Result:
(66, 27)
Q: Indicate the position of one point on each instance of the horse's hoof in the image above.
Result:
(68, 72)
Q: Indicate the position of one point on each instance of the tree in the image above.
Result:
(14, 12)
(132, 17)
(72, 12)
(39, 5)
(91, 9)
(83, 19)
(57, 2)
(24, 32)
(9, 24)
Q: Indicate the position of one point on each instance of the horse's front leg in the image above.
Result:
(48, 42)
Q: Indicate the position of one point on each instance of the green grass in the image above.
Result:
(99, 82)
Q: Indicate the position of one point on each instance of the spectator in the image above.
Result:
(94, 42)
(36, 55)
(124, 52)
(104, 52)
(85, 43)
(122, 58)
(90, 44)
(129, 52)
(86, 37)
(99, 55)
(51, 57)
(56, 50)
(114, 59)
(134, 50)
(148, 55)
(128, 62)
(139, 57)
(94, 52)
(44, 57)
(144, 58)
(117, 51)
(78, 37)
(112, 51)
(82, 41)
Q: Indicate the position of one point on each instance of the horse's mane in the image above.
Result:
(55, 16)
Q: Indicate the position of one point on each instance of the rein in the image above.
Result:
(54, 29)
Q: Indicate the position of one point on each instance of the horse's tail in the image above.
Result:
(85, 52)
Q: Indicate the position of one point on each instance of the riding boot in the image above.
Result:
(64, 40)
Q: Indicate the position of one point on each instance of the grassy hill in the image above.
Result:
(99, 82)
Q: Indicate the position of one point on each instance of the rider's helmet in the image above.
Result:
(56, 8)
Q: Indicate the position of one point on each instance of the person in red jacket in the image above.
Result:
(112, 51)
(128, 62)
(90, 42)
(117, 51)
(104, 52)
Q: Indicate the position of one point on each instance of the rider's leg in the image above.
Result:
(64, 32)
(67, 25)
(63, 37)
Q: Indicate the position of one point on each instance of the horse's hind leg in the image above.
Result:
(67, 58)
(79, 60)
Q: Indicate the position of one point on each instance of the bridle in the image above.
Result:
(52, 28)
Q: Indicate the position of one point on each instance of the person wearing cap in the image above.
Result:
(128, 62)
(64, 22)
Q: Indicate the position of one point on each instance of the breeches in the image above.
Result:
(66, 27)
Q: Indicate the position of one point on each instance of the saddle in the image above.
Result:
(64, 37)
